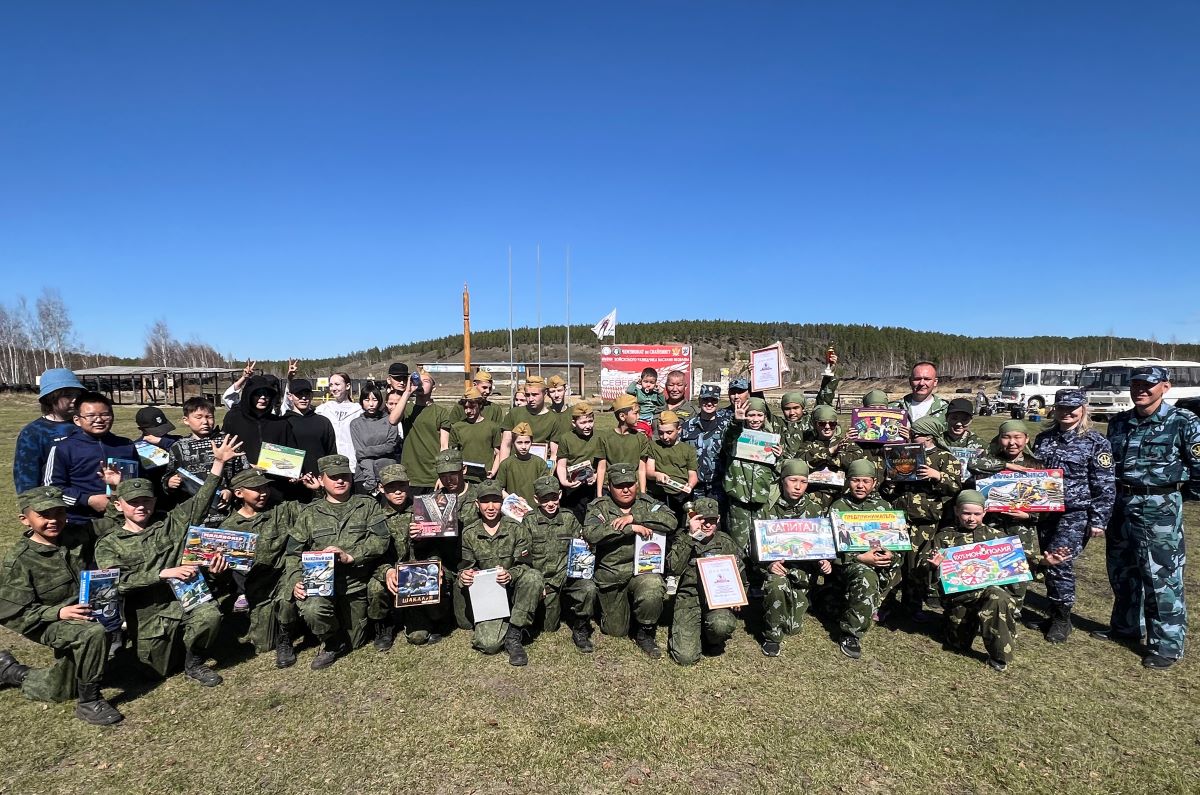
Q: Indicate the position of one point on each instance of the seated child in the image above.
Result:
(696, 628)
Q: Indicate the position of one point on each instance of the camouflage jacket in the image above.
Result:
(922, 500)
(955, 536)
(708, 439)
(274, 529)
(357, 526)
(511, 545)
(551, 538)
(682, 561)
(873, 502)
(1160, 450)
(614, 548)
(745, 481)
(1089, 482)
(37, 580)
(780, 507)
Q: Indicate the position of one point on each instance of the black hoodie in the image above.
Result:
(253, 427)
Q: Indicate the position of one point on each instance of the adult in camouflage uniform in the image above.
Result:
(39, 598)
(788, 584)
(354, 527)
(697, 628)
(992, 611)
(827, 449)
(1085, 457)
(610, 527)
(921, 401)
(706, 432)
(490, 541)
(1156, 450)
(747, 483)
(147, 549)
(869, 576)
(551, 531)
(272, 612)
(922, 502)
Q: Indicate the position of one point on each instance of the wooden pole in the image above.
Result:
(466, 338)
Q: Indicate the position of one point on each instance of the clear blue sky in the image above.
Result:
(309, 178)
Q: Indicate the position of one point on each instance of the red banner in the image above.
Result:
(621, 365)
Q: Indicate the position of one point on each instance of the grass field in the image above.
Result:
(1080, 717)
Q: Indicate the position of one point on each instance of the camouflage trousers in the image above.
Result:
(642, 595)
(579, 598)
(741, 523)
(418, 621)
(919, 577)
(785, 601)
(157, 641)
(524, 595)
(270, 608)
(693, 625)
(339, 617)
(1071, 531)
(866, 588)
(1146, 557)
(991, 612)
(80, 653)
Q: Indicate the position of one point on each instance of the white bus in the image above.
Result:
(1107, 383)
(1032, 386)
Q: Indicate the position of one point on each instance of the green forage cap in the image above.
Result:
(706, 506)
(334, 465)
(970, 497)
(249, 479)
(134, 487)
(449, 461)
(862, 468)
(622, 474)
(40, 499)
(393, 473)
(546, 486)
(489, 489)
(794, 466)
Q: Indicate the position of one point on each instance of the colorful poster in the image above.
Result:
(515, 507)
(879, 426)
(759, 446)
(766, 369)
(317, 570)
(278, 459)
(418, 583)
(98, 590)
(970, 567)
(859, 531)
(903, 462)
(204, 543)
(807, 538)
(435, 515)
(152, 456)
(129, 469)
(650, 554)
(1035, 491)
(621, 365)
(965, 456)
(722, 582)
(581, 560)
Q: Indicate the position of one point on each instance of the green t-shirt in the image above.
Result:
(478, 441)
(576, 449)
(491, 411)
(623, 448)
(674, 461)
(422, 442)
(517, 477)
(547, 427)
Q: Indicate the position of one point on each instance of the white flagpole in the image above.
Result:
(511, 370)
(539, 305)
(568, 321)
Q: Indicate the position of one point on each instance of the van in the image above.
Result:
(1107, 383)
(1032, 386)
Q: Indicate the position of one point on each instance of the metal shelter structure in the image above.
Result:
(158, 385)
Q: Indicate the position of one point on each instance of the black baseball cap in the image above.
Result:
(151, 420)
(300, 385)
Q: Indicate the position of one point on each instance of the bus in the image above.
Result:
(1032, 386)
(1107, 383)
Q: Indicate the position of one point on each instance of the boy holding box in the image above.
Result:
(580, 446)
(519, 471)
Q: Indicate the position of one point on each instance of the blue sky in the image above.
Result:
(306, 179)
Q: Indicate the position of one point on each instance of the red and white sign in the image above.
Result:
(621, 365)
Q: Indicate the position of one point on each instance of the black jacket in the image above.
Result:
(254, 427)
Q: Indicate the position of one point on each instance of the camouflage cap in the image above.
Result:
(1151, 374)
(794, 466)
(249, 479)
(824, 413)
(522, 429)
(1070, 398)
(393, 473)
(623, 402)
(482, 375)
(668, 417)
(556, 380)
(535, 382)
(546, 486)
(739, 385)
(705, 506)
(709, 392)
(448, 461)
(582, 409)
(792, 397)
(489, 489)
(862, 468)
(970, 497)
(334, 465)
(622, 474)
(876, 397)
(40, 499)
(134, 488)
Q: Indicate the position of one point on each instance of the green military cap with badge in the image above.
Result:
(622, 474)
(488, 489)
(41, 499)
(546, 486)
(705, 506)
(333, 465)
(393, 473)
(249, 479)
(133, 488)
(448, 461)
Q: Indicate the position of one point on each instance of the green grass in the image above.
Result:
(908, 717)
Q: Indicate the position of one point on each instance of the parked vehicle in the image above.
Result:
(1032, 386)
(1107, 383)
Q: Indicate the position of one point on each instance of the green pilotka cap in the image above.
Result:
(40, 499)
(133, 488)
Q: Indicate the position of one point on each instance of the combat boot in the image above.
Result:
(1060, 624)
(645, 641)
(93, 709)
(11, 671)
(327, 656)
(285, 655)
(514, 648)
(385, 635)
(581, 634)
(195, 669)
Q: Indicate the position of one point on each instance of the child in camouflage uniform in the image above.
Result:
(695, 627)
(747, 483)
(421, 622)
(551, 531)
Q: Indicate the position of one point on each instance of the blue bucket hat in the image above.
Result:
(1152, 374)
(56, 379)
(1070, 398)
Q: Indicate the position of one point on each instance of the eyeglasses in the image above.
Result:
(95, 417)
(708, 520)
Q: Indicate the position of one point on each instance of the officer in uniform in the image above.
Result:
(705, 431)
(1156, 451)
(610, 526)
(1085, 457)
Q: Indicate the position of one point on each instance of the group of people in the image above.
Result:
(669, 467)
